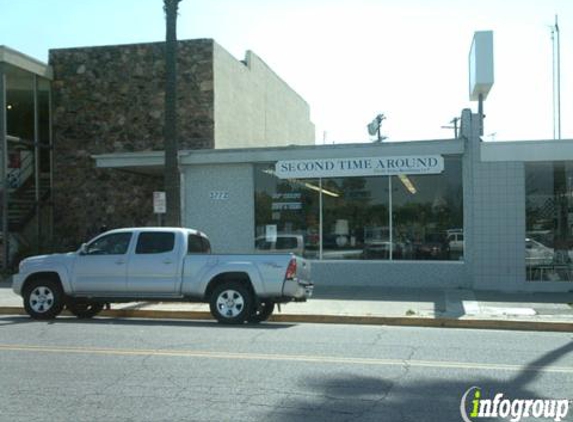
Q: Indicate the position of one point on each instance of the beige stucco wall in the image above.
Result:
(254, 107)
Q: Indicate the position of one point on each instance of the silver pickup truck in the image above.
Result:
(160, 264)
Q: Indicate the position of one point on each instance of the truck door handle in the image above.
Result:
(167, 261)
(120, 262)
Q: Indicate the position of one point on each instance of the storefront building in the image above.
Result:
(443, 213)
(110, 99)
(447, 213)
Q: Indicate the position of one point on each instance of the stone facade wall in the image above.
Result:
(111, 99)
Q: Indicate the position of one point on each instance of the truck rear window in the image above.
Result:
(198, 244)
(286, 243)
(155, 242)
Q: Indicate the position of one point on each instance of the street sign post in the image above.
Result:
(159, 205)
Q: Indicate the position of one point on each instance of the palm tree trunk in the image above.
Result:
(171, 175)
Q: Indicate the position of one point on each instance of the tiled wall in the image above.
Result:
(390, 274)
(494, 216)
(499, 221)
(219, 200)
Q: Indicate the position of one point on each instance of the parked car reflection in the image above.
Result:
(547, 264)
(379, 249)
(434, 246)
(455, 243)
(281, 243)
(537, 254)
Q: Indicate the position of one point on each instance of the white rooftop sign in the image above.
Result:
(481, 65)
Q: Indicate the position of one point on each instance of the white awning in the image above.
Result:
(148, 162)
(27, 63)
(527, 151)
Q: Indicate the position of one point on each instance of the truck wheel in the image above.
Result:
(231, 303)
(43, 299)
(84, 309)
(262, 313)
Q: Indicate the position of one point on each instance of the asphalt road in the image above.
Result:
(142, 370)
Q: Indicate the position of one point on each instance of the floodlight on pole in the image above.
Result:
(374, 127)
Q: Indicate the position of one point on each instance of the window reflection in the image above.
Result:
(286, 214)
(355, 223)
(426, 222)
(549, 221)
(428, 214)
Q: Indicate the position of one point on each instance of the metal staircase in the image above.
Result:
(23, 204)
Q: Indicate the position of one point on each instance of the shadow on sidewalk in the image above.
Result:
(6, 284)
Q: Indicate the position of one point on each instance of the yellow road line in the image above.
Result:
(287, 358)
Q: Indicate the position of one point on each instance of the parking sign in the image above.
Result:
(159, 203)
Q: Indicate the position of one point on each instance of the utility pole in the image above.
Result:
(556, 61)
(455, 122)
(171, 174)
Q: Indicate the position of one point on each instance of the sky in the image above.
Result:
(349, 59)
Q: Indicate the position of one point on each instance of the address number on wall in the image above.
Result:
(219, 195)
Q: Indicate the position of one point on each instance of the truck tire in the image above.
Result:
(84, 309)
(43, 299)
(262, 313)
(231, 303)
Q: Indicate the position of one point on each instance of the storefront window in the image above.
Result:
(428, 214)
(355, 224)
(549, 221)
(286, 214)
(426, 221)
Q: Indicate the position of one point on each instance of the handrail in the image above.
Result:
(16, 177)
(20, 141)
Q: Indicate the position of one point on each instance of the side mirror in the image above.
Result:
(83, 249)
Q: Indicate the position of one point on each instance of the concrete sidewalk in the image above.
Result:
(376, 305)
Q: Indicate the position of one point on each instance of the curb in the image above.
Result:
(561, 327)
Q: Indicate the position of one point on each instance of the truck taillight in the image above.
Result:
(291, 269)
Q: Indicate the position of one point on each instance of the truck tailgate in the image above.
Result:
(298, 286)
(303, 270)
